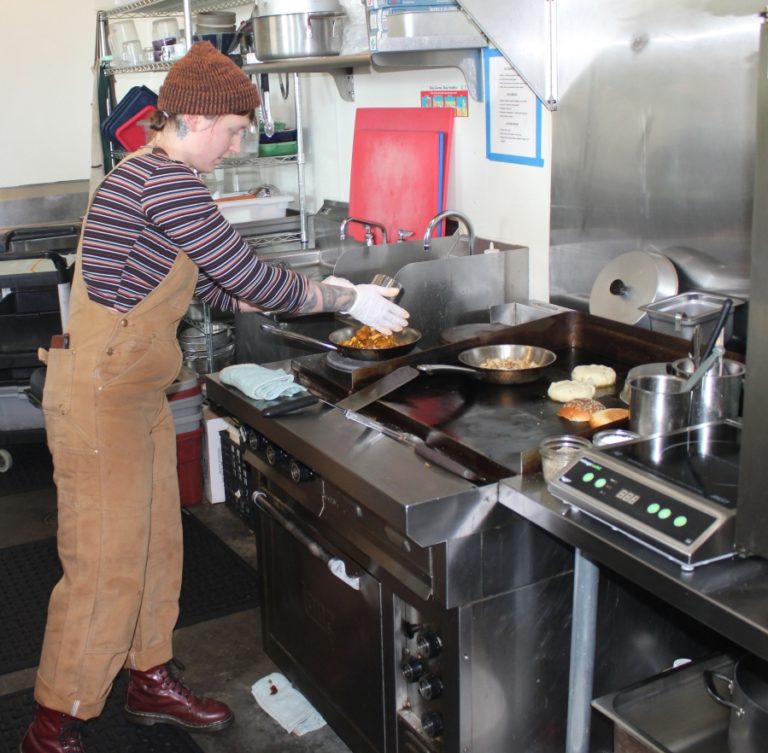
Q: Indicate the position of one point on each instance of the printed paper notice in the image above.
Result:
(512, 114)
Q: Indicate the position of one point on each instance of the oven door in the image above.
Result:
(322, 622)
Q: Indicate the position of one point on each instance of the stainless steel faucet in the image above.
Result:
(439, 218)
(367, 226)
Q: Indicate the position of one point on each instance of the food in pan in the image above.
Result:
(607, 416)
(370, 339)
(507, 364)
(581, 409)
(600, 376)
(566, 390)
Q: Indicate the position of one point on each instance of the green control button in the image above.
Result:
(679, 521)
(665, 513)
(588, 476)
(653, 508)
(600, 483)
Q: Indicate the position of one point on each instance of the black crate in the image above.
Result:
(237, 480)
(28, 318)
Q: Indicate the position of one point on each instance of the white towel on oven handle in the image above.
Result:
(294, 713)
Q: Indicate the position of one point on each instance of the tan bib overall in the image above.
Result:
(112, 438)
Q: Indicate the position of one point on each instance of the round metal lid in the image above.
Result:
(629, 281)
(467, 331)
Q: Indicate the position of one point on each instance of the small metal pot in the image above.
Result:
(748, 689)
(298, 35)
(718, 395)
(537, 360)
(657, 404)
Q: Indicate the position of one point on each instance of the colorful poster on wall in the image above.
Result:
(512, 114)
(455, 99)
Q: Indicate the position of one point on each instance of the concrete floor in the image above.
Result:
(223, 657)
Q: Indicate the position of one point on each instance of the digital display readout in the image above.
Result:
(624, 495)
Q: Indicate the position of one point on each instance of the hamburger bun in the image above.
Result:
(607, 416)
(580, 409)
(566, 390)
(600, 376)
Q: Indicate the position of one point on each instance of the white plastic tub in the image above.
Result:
(249, 208)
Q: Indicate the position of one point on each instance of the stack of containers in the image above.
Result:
(400, 25)
(185, 397)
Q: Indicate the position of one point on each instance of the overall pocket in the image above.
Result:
(57, 393)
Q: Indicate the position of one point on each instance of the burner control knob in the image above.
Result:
(412, 669)
(429, 644)
(256, 441)
(275, 455)
(432, 723)
(430, 687)
(300, 472)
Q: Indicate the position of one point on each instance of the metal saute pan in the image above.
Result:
(405, 339)
(536, 360)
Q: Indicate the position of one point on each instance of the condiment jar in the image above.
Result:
(557, 453)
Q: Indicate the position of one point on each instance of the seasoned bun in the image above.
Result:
(600, 376)
(580, 410)
(567, 390)
(607, 416)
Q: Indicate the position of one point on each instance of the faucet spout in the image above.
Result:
(438, 218)
(367, 225)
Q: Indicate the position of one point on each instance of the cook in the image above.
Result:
(152, 239)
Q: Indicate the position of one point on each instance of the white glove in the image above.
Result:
(371, 307)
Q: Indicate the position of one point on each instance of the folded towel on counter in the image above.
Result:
(259, 382)
(294, 713)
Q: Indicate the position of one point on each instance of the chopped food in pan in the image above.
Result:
(369, 338)
(508, 364)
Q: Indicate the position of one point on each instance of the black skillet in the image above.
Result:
(405, 340)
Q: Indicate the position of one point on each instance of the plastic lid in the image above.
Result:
(630, 281)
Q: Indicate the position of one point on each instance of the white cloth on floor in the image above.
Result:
(294, 713)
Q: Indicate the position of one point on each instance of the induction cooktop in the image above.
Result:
(675, 493)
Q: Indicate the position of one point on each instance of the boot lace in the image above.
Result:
(173, 681)
(69, 737)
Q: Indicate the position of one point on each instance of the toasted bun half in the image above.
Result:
(567, 390)
(580, 410)
(607, 416)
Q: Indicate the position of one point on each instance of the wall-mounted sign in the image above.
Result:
(456, 99)
(512, 114)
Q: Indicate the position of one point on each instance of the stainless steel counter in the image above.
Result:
(730, 597)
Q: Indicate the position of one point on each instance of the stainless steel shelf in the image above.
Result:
(322, 64)
(257, 242)
(167, 7)
(114, 70)
(239, 161)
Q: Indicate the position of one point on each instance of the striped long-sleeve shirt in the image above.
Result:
(149, 209)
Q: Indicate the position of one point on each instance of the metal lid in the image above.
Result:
(630, 281)
(282, 7)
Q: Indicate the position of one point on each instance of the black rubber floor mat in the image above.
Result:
(216, 582)
(110, 733)
(32, 469)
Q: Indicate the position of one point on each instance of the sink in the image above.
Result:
(314, 263)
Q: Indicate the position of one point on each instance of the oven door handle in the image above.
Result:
(335, 565)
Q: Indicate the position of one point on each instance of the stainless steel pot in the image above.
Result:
(657, 404)
(298, 35)
(748, 689)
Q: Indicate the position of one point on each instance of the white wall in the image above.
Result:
(45, 88)
(45, 134)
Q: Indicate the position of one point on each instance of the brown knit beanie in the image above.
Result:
(206, 82)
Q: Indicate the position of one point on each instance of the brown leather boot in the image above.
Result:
(52, 732)
(157, 696)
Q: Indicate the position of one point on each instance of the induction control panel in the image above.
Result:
(683, 526)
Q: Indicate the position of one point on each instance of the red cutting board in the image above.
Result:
(396, 180)
(409, 119)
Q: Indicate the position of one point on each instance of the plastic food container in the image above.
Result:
(557, 453)
(249, 208)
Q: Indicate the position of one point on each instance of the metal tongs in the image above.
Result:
(420, 447)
